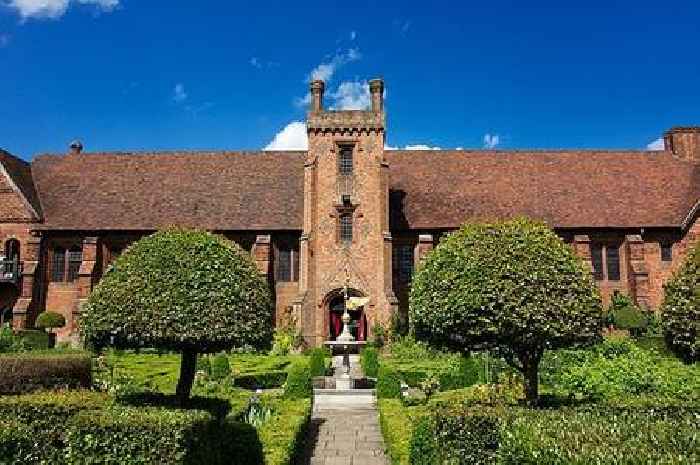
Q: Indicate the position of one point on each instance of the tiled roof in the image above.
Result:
(148, 191)
(442, 189)
(20, 173)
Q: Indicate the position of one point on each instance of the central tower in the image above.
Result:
(346, 238)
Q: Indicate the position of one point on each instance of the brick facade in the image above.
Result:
(293, 211)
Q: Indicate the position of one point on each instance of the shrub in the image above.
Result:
(423, 448)
(262, 380)
(681, 309)
(284, 433)
(9, 342)
(153, 435)
(299, 383)
(464, 373)
(220, 367)
(625, 315)
(388, 383)
(378, 335)
(512, 285)
(41, 417)
(33, 339)
(187, 291)
(50, 320)
(369, 359)
(32, 371)
(283, 341)
(204, 365)
(317, 362)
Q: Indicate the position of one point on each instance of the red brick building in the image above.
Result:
(344, 210)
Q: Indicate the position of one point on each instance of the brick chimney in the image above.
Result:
(376, 90)
(75, 147)
(684, 143)
(317, 87)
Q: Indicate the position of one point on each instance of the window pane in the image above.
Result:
(345, 161)
(75, 258)
(58, 264)
(403, 263)
(612, 258)
(346, 228)
(597, 261)
(284, 265)
(666, 252)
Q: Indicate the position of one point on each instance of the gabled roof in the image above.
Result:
(567, 189)
(148, 191)
(19, 173)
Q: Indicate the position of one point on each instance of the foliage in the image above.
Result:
(33, 339)
(369, 359)
(681, 309)
(285, 340)
(50, 320)
(299, 383)
(25, 372)
(388, 383)
(317, 362)
(9, 342)
(511, 285)
(220, 368)
(397, 424)
(378, 335)
(282, 435)
(154, 435)
(430, 386)
(423, 448)
(624, 314)
(261, 380)
(181, 290)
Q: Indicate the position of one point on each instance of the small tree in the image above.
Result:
(49, 321)
(188, 291)
(626, 315)
(681, 309)
(511, 285)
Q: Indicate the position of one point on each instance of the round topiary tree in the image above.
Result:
(513, 286)
(187, 291)
(626, 315)
(50, 321)
(681, 309)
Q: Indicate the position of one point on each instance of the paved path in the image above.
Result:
(344, 429)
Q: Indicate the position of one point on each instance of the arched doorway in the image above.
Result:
(358, 322)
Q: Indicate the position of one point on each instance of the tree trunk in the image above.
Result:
(188, 366)
(531, 381)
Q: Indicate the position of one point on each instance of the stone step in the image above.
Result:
(344, 392)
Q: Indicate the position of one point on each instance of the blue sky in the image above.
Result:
(151, 75)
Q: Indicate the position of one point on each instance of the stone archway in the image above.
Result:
(334, 306)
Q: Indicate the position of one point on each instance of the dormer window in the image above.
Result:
(345, 160)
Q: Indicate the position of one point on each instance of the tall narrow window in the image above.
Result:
(666, 251)
(612, 259)
(75, 258)
(403, 263)
(287, 262)
(345, 225)
(597, 261)
(345, 160)
(58, 264)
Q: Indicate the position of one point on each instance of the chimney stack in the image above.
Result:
(684, 143)
(317, 88)
(376, 90)
(76, 147)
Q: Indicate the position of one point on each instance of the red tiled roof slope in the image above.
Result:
(442, 189)
(20, 173)
(148, 191)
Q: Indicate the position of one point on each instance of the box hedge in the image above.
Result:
(370, 361)
(388, 383)
(263, 380)
(317, 362)
(299, 383)
(153, 435)
(26, 372)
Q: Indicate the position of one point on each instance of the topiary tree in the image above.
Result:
(49, 321)
(681, 309)
(624, 314)
(187, 291)
(513, 286)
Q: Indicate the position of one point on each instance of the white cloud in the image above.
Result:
(4, 40)
(53, 9)
(413, 147)
(657, 144)
(325, 71)
(351, 95)
(179, 94)
(292, 137)
(254, 62)
(491, 141)
(353, 35)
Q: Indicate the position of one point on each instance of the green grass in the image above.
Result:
(397, 423)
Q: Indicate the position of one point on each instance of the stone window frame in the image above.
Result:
(65, 269)
(291, 271)
(601, 255)
(346, 167)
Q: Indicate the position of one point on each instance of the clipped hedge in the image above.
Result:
(283, 435)
(388, 383)
(370, 361)
(26, 372)
(34, 339)
(262, 380)
(601, 435)
(153, 435)
(317, 362)
(299, 381)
